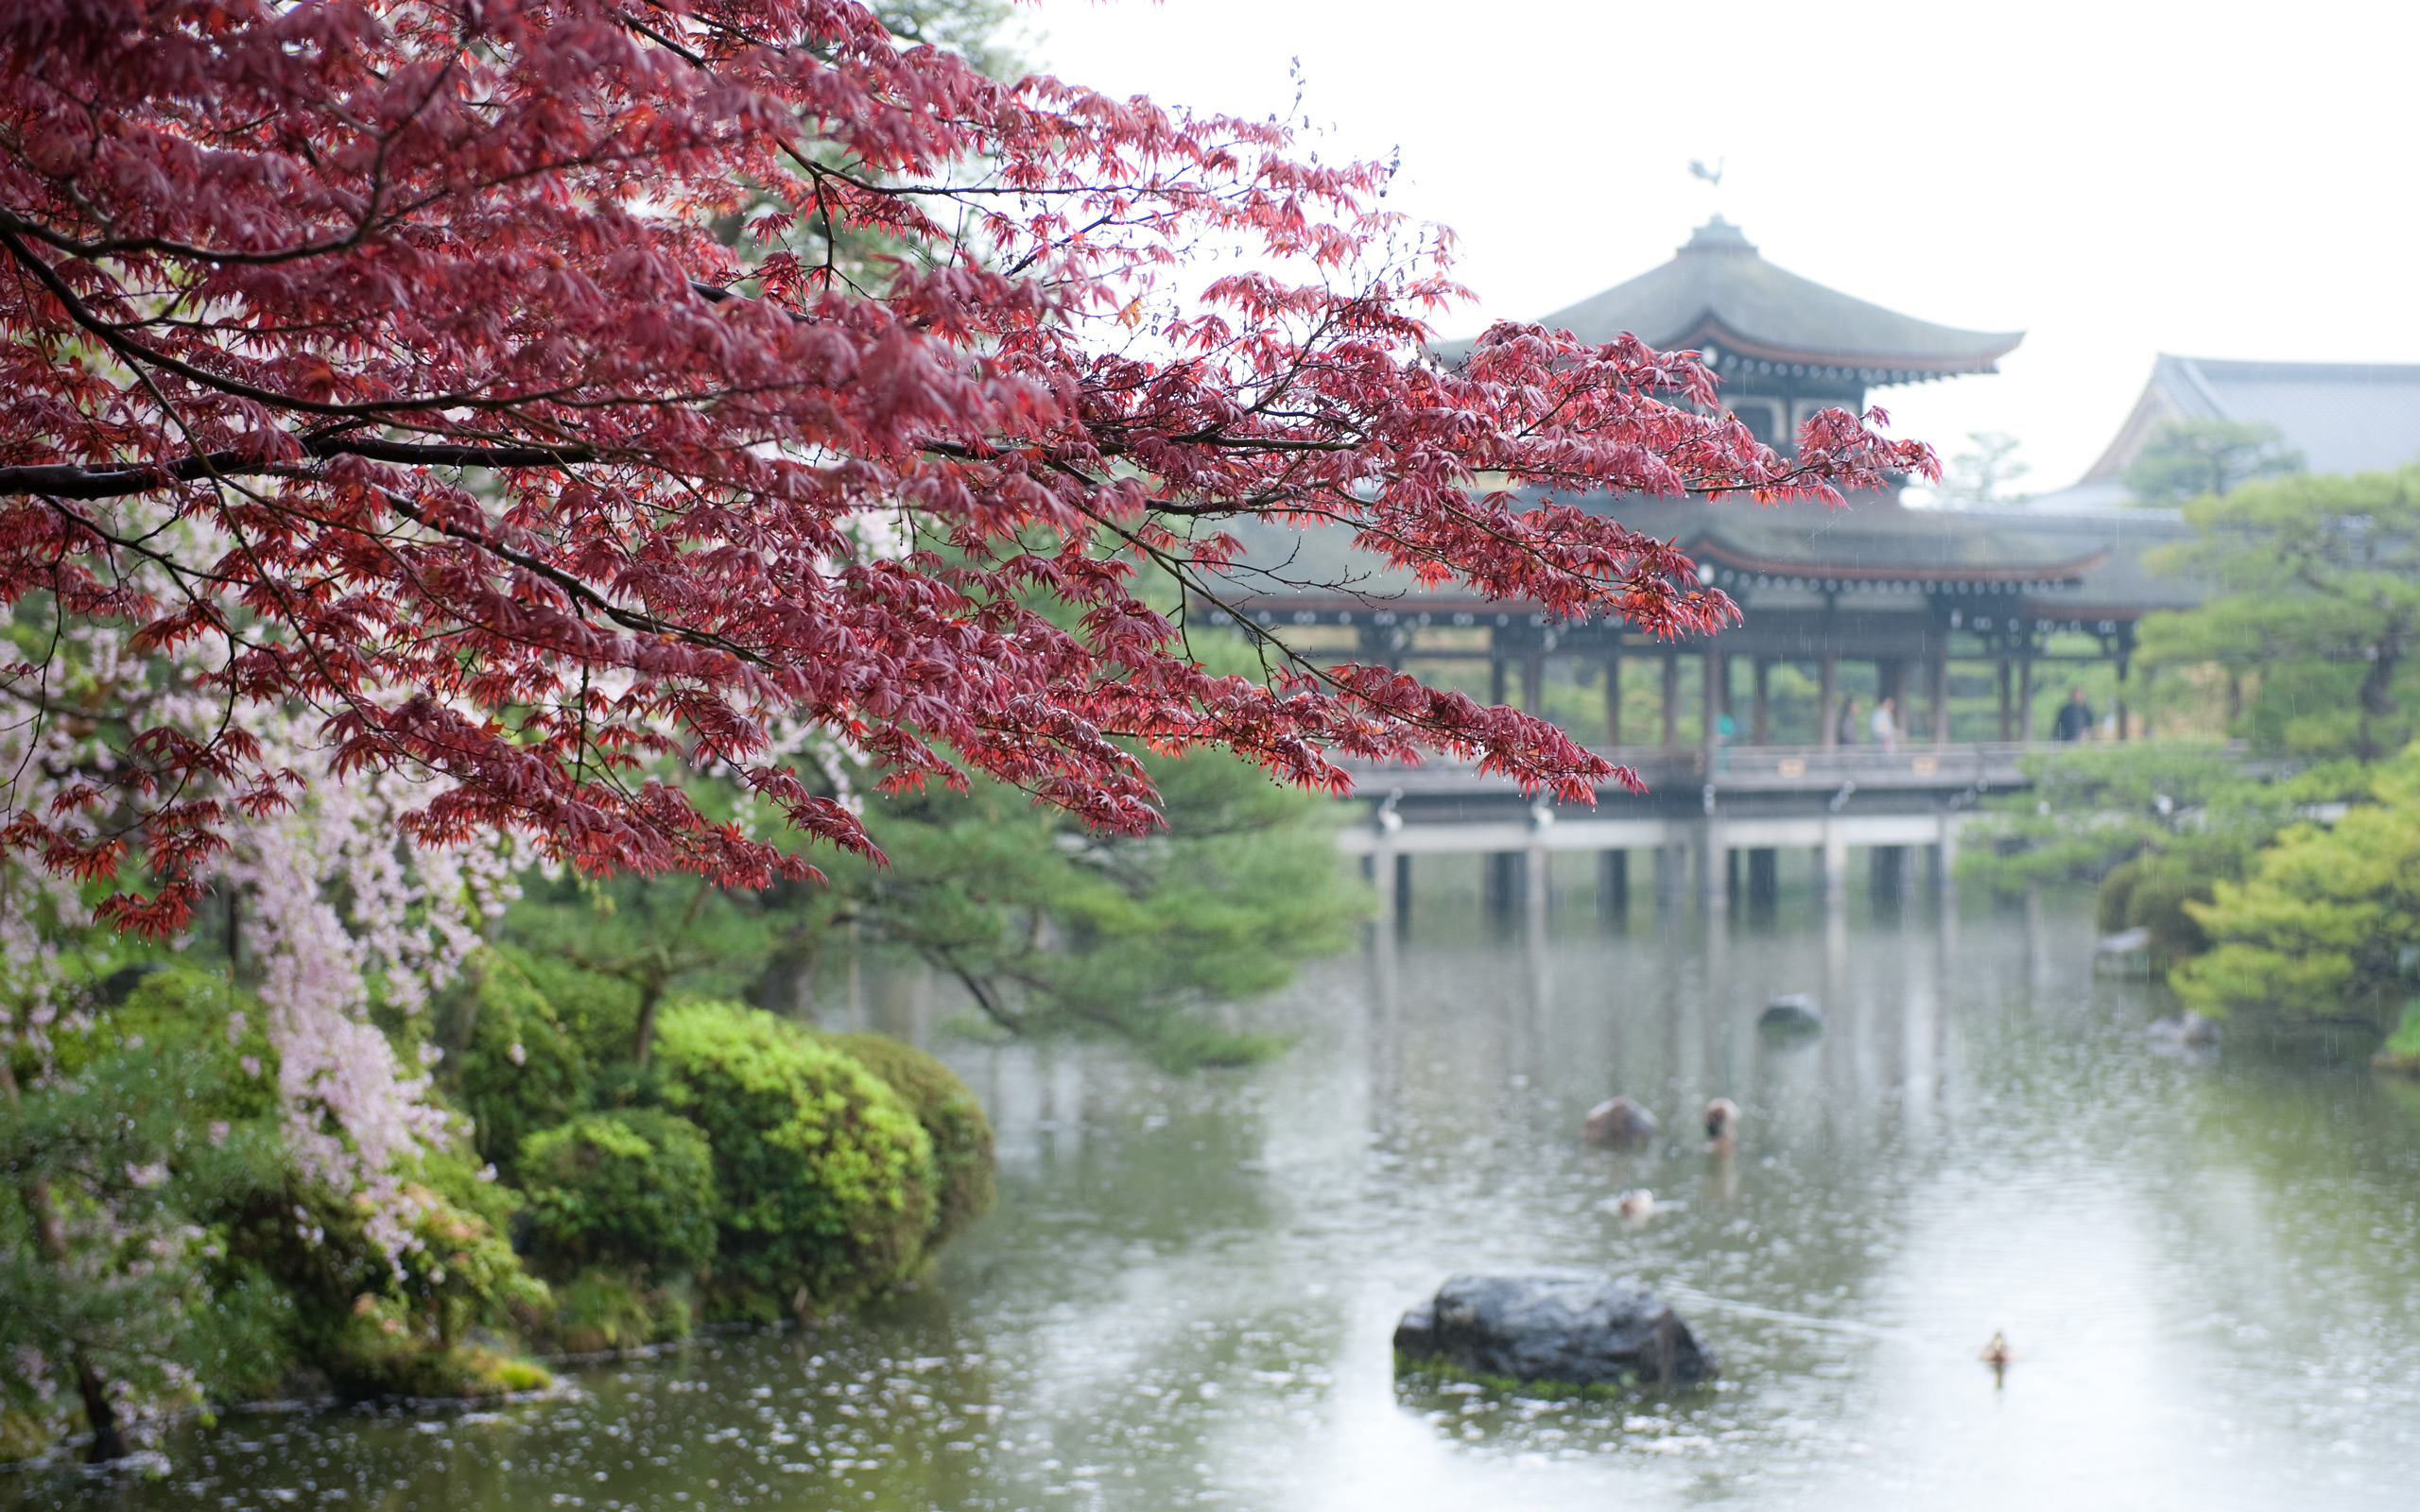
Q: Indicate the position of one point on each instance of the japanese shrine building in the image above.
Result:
(1909, 590)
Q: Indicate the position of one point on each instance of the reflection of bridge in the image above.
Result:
(1712, 808)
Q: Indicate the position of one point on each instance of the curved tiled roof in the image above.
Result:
(1719, 291)
(2343, 417)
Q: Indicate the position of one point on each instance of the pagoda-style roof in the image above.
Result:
(2343, 417)
(1871, 542)
(1720, 292)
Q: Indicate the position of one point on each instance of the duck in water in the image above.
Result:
(1721, 1126)
(1636, 1205)
(1998, 1355)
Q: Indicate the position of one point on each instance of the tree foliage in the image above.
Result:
(383, 360)
(2327, 923)
(1984, 476)
(2186, 458)
(1049, 925)
(2156, 827)
(2315, 586)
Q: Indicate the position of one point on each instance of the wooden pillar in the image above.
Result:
(1614, 698)
(1612, 883)
(1495, 678)
(2007, 714)
(1534, 681)
(1828, 699)
(1941, 698)
(1710, 701)
(1761, 722)
(2122, 698)
(2025, 700)
(1672, 700)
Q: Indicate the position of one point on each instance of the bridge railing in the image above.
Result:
(1763, 768)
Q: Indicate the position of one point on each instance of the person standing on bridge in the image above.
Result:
(1886, 724)
(2075, 718)
(1845, 729)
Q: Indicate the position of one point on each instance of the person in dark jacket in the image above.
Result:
(2075, 718)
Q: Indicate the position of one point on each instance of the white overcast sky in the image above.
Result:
(2115, 179)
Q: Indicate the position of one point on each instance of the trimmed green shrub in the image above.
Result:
(508, 1061)
(599, 1012)
(630, 1189)
(826, 1177)
(962, 1136)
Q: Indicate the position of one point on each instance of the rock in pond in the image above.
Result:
(2184, 1029)
(1618, 1122)
(1577, 1327)
(1793, 1015)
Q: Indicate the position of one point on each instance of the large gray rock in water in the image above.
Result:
(1793, 1017)
(1575, 1327)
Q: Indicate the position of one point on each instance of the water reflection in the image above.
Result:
(2209, 1272)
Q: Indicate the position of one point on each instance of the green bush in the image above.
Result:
(962, 1136)
(603, 1309)
(630, 1189)
(599, 1012)
(2401, 1051)
(2327, 923)
(826, 1177)
(2149, 892)
(508, 1061)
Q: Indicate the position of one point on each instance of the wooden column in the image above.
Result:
(1671, 699)
(1828, 700)
(2007, 714)
(1534, 681)
(1710, 701)
(1614, 698)
(2122, 698)
(2025, 700)
(1495, 678)
(1941, 698)
(1761, 733)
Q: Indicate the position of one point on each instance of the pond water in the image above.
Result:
(2208, 1269)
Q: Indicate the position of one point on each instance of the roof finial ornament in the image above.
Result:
(1712, 176)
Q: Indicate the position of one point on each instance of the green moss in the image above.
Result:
(825, 1177)
(379, 1358)
(1444, 1369)
(631, 1189)
(962, 1146)
(509, 1063)
(601, 1309)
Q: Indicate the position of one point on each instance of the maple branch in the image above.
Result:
(67, 481)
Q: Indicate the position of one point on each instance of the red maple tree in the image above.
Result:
(487, 377)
